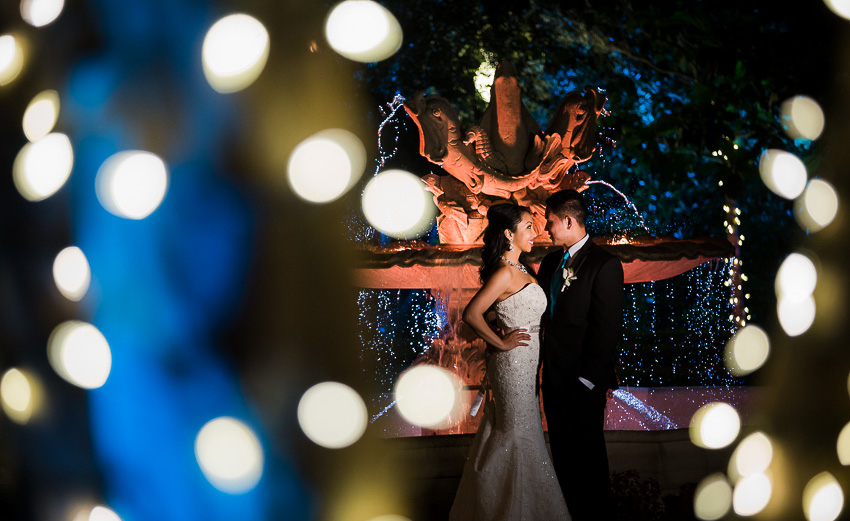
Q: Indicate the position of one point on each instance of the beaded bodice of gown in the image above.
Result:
(508, 474)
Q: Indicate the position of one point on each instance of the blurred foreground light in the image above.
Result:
(100, 513)
(391, 517)
(427, 395)
(817, 207)
(752, 494)
(43, 167)
(396, 203)
(843, 445)
(131, 184)
(715, 425)
(747, 350)
(363, 31)
(235, 52)
(752, 456)
(797, 277)
(823, 498)
(72, 273)
(796, 316)
(230, 455)
(484, 77)
(20, 393)
(11, 58)
(839, 7)
(39, 13)
(803, 118)
(713, 497)
(783, 173)
(332, 415)
(325, 165)
(79, 353)
(41, 114)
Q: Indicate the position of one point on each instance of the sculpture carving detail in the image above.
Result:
(505, 158)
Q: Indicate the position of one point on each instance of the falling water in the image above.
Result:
(629, 203)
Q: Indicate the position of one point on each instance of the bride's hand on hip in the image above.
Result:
(516, 338)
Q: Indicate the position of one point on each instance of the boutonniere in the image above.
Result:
(569, 277)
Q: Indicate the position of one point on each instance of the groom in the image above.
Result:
(582, 325)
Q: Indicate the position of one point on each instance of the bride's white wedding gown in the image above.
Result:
(508, 474)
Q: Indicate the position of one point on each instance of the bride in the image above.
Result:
(508, 474)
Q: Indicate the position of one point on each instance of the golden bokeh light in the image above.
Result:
(783, 173)
(752, 494)
(797, 277)
(839, 7)
(41, 114)
(843, 445)
(79, 353)
(484, 77)
(100, 513)
(712, 497)
(230, 455)
(11, 58)
(20, 395)
(132, 184)
(796, 316)
(43, 167)
(234, 53)
(752, 456)
(71, 273)
(715, 425)
(39, 13)
(747, 350)
(326, 165)
(818, 206)
(823, 498)
(428, 395)
(803, 118)
(363, 31)
(332, 415)
(396, 203)
(390, 517)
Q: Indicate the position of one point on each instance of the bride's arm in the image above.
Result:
(473, 315)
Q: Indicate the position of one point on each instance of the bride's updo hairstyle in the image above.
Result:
(500, 217)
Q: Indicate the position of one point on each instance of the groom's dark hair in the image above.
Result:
(568, 202)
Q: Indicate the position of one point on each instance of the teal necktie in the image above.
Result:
(557, 281)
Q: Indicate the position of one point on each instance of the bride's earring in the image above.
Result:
(511, 246)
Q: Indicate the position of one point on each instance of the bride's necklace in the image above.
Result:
(520, 267)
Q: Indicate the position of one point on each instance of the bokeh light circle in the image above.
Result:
(818, 206)
(230, 455)
(803, 118)
(839, 7)
(363, 31)
(747, 350)
(797, 277)
(712, 497)
(43, 167)
(101, 513)
(715, 425)
(823, 498)
(796, 316)
(41, 114)
(752, 494)
(396, 203)
(783, 173)
(19, 394)
(752, 456)
(332, 415)
(390, 517)
(234, 53)
(79, 353)
(132, 184)
(39, 13)
(71, 273)
(325, 165)
(843, 445)
(11, 58)
(427, 395)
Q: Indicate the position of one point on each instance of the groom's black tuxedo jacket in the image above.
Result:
(581, 337)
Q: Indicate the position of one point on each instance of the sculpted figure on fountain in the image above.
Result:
(505, 158)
